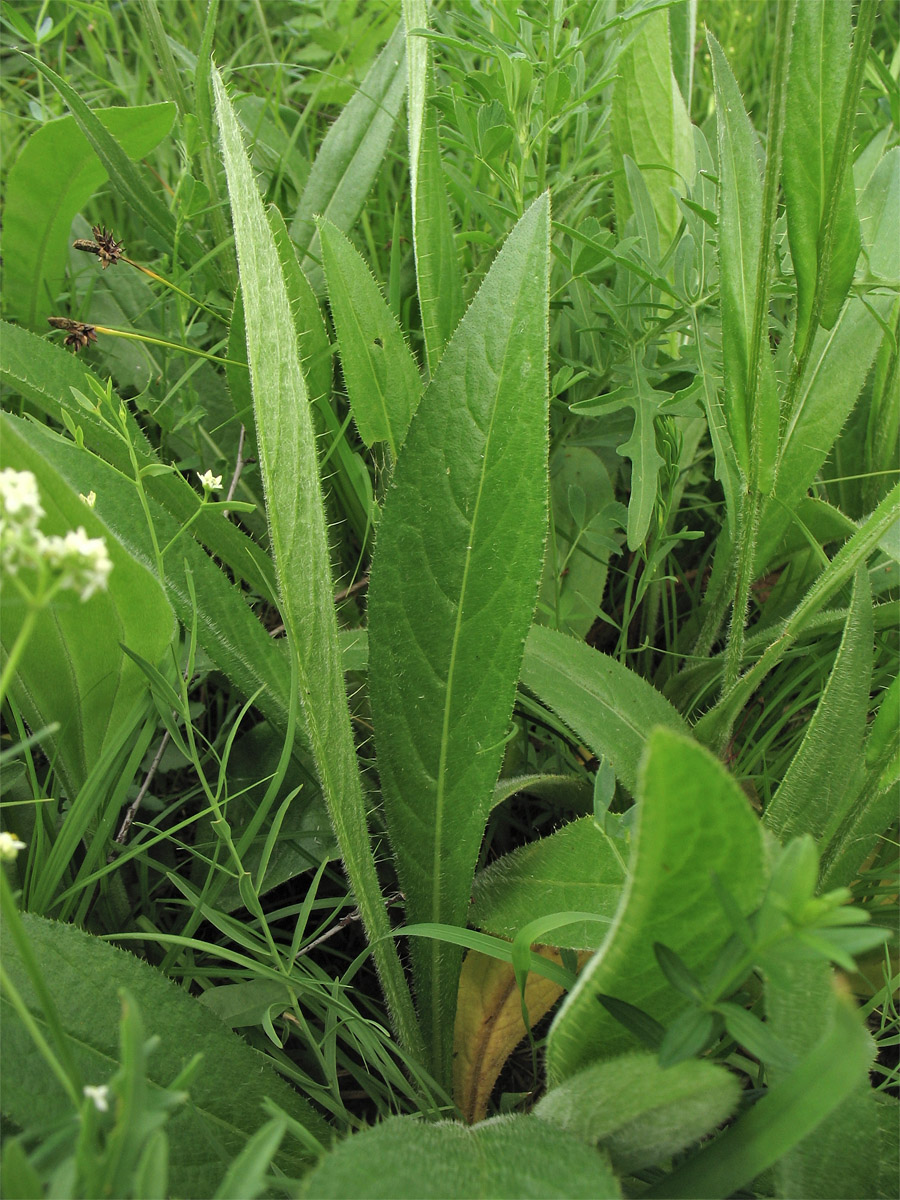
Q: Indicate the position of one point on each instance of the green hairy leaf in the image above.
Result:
(453, 589)
(507, 1158)
(287, 449)
(225, 1094)
(693, 820)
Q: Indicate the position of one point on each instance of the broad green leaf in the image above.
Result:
(693, 820)
(605, 703)
(683, 36)
(46, 374)
(53, 177)
(507, 1158)
(815, 793)
(73, 670)
(848, 1154)
(437, 268)
(124, 176)
(639, 1113)
(740, 240)
(246, 1177)
(879, 211)
(383, 382)
(226, 1093)
(351, 155)
(287, 450)
(575, 868)
(820, 62)
(226, 627)
(651, 126)
(453, 589)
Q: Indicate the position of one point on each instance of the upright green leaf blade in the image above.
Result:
(612, 708)
(740, 237)
(816, 792)
(820, 62)
(56, 173)
(437, 268)
(453, 589)
(693, 821)
(383, 383)
(296, 515)
(351, 154)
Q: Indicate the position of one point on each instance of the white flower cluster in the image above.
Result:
(9, 847)
(74, 560)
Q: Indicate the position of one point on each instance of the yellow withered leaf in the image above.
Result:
(489, 1024)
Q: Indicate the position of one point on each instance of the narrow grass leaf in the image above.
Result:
(382, 379)
(296, 515)
(610, 707)
(52, 179)
(453, 589)
(351, 155)
(820, 62)
(815, 793)
(693, 821)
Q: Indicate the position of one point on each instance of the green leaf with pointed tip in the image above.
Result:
(651, 126)
(574, 868)
(73, 670)
(638, 1112)
(226, 1093)
(693, 820)
(820, 61)
(287, 451)
(53, 177)
(506, 1158)
(815, 794)
(437, 269)
(740, 238)
(610, 707)
(383, 382)
(453, 588)
(351, 155)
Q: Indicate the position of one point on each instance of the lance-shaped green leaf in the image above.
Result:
(383, 383)
(437, 268)
(296, 515)
(351, 154)
(820, 61)
(56, 173)
(816, 793)
(453, 589)
(740, 239)
(605, 703)
(693, 821)
(650, 125)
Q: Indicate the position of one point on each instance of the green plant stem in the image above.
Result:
(714, 727)
(752, 503)
(18, 649)
(145, 337)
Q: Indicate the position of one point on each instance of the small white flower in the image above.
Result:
(83, 562)
(9, 847)
(99, 1095)
(90, 499)
(210, 482)
(19, 498)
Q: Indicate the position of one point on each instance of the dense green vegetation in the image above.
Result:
(449, 532)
